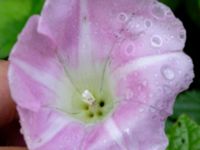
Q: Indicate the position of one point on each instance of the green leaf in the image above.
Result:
(14, 14)
(184, 135)
(193, 9)
(173, 4)
(188, 103)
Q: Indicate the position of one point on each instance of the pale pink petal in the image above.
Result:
(69, 137)
(130, 29)
(48, 129)
(146, 90)
(33, 65)
(36, 78)
(60, 21)
(150, 86)
(137, 44)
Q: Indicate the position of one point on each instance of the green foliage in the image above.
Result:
(189, 103)
(193, 10)
(184, 135)
(14, 14)
(173, 4)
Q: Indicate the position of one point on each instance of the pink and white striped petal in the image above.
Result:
(97, 75)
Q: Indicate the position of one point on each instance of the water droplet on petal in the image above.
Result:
(152, 110)
(123, 17)
(127, 131)
(167, 90)
(147, 23)
(129, 49)
(158, 11)
(156, 41)
(160, 104)
(169, 13)
(167, 73)
(117, 35)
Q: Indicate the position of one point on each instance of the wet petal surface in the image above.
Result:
(99, 74)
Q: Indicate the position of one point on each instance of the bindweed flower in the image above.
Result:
(98, 75)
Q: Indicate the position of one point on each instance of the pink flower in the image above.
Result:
(99, 74)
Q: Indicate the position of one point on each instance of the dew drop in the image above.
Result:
(169, 13)
(127, 131)
(129, 49)
(117, 35)
(147, 23)
(167, 73)
(167, 90)
(152, 110)
(160, 104)
(156, 41)
(158, 11)
(123, 17)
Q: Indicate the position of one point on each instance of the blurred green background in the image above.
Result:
(182, 127)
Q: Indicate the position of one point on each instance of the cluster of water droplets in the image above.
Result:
(170, 33)
(168, 73)
(133, 26)
(161, 13)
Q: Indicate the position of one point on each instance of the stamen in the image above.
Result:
(88, 97)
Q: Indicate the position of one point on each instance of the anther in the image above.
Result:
(88, 97)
